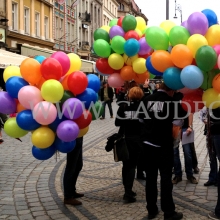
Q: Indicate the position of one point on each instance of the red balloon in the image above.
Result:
(84, 120)
(120, 21)
(192, 102)
(77, 82)
(131, 34)
(103, 66)
(51, 69)
(145, 56)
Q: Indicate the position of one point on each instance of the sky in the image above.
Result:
(155, 10)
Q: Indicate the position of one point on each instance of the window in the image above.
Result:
(15, 16)
(37, 24)
(110, 8)
(68, 32)
(46, 27)
(61, 29)
(72, 33)
(57, 28)
(26, 21)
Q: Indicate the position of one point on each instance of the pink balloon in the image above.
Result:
(44, 113)
(29, 96)
(115, 80)
(63, 59)
(217, 49)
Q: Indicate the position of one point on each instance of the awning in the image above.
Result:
(10, 59)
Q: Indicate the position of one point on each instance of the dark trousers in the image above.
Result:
(109, 103)
(74, 165)
(159, 158)
(140, 164)
(129, 166)
(194, 156)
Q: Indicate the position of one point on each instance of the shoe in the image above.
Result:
(72, 201)
(78, 195)
(152, 216)
(213, 216)
(192, 179)
(176, 216)
(133, 193)
(129, 198)
(196, 170)
(176, 179)
(1, 140)
(210, 183)
(102, 118)
(141, 177)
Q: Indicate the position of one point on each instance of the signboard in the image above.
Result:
(2, 35)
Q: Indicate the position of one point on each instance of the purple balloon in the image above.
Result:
(72, 108)
(116, 31)
(197, 23)
(144, 47)
(8, 104)
(67, 131)
(184, 24)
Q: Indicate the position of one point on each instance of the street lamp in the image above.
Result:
(178, 8)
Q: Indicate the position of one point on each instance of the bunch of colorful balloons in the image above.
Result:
(123, 50)
(53, 99)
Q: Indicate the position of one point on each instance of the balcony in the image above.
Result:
(85, 18)
(84, 46)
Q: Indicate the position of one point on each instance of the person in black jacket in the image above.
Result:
(106, 94)
(158, 151)
(127, 119)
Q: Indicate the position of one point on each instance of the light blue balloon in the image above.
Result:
(131, 47)
(172, 79)
(191, 77)
(40, 58)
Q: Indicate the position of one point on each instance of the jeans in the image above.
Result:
(74, 165)
(215, 140)
(109, 103)
(159, 158)
(129, 166)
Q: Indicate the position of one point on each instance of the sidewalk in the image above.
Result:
(32, 189)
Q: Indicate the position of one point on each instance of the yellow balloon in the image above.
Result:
(139, 32)
(195, 42)
(52, 91)
(43, 137)
(83, 131)
(213, 35)
(211, 98)
(129, 60)
(139, 66)
(167, 25)
(11, 71)
(75, 63)
(116, 61)
(141, 24)
(106, 28)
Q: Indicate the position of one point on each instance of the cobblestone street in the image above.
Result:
(32, 189)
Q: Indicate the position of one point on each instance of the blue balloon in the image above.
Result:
(43, 154)
(151, 69)
(172, 79)
(14, 84)
(88, 97)
(191, 77)
(53, 126)
(26, 121)
(211, 16)
(131, 47)
(64, 147)
(39, 58)
(93, 82)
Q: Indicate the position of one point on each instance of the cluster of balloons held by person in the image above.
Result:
(53, 99)
(187, 56)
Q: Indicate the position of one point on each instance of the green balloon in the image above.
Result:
(152, 76)
(113, 22)
(117, 44)
(208, 78)
(206, 58)
(101, 34)
(102, 48)
(179, 35)
(96, 110)
(157, 38)
(66, 95)
(129, 22)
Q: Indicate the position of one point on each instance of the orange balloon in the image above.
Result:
(141, 78)
(20, 107)
(181, 56)
(127, 73)
(161, 60)
(64, 82)
(216, 83)
(30, 70)
(40, 83)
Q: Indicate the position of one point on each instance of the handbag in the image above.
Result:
(120, 150)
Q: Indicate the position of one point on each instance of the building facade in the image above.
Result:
(3, 24)
(110, 11)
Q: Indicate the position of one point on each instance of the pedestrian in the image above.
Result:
(3, 119)
(74, 164)
(106, 94)
(127, 119)
(157, 139)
